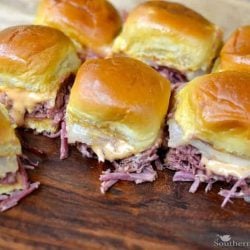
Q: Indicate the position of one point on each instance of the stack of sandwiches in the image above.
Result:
(14, 183)
(159, 91)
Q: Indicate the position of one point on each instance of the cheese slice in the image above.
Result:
(226, 169)
(23, 100)
(216, 162)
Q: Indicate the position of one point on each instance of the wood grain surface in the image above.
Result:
(69, 212)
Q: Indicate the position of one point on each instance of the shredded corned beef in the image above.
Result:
(173, 75)
(186, 160)
(52, 136)
(138, 168)
(108, 178)
(64, 148)
(7, 201)
(42, 111)
(57, 114)
(26, 162)
(85, 150)
(10, 178)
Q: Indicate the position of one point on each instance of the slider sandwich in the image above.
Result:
(173, 39)
(235, 54)
(36, 63)
(209, 133)
(14, 184)
(91, 25)
(116, 112)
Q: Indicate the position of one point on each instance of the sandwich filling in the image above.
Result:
(138, 168)
(198, 162)
(173, 75)
(40, 112)
(14, 184)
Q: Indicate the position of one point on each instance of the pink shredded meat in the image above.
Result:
(173, 75)
(64, 148)
(145, 174)
(138, 168)
(85, 150)
(8, 201)
(186, 161)
(26, 162)
(10, 178)
(42, 111)
(57, 113)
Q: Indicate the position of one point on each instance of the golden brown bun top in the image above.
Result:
(123, 98)
(92, 24)
(235, 55)
(169, 34)
(9, 144)
(239, 42)
(36, 58)
(118, 83)
(216, 108)
(174, 15)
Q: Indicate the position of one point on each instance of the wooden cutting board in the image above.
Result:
(69, 212)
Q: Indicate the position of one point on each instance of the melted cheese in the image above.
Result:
(105, 147)
(226, 169)
(111, 150)
(221, 163)
(8, 165)
(216, 162)
(24, 100)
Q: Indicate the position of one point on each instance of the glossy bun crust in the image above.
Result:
(216, 109)
(235, 55)
(169, 34)
(117, 106)
(34, 62)
(91, 24)
(36, 58)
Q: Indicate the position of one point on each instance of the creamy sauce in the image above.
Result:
(105, 147)
(226, 169)
(112, 150)
(221, 163)
(23, 100)
(217, 162)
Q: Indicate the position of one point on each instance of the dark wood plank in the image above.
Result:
(69, 212)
